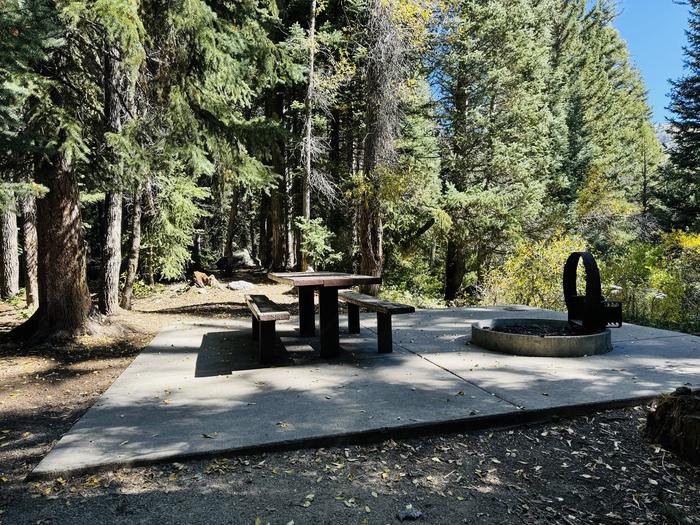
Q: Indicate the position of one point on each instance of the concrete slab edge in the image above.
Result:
(467, 424)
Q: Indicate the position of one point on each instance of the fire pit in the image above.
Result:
(538, 337)
(584, 333)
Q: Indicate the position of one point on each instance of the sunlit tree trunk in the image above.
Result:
(29, 249)
(289, 229)
(111, 254)
(308, 128)
(9, 255)
(384, 69)
(134, 250)
(115, 93)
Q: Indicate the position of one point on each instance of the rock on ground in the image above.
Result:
(238, 259)
(240, 285)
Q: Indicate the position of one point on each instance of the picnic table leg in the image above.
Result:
(307, 316)
(330, 342)
(384, 342)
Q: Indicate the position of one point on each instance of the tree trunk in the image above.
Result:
(289, 229)
(64, 298)
(111, 254)
(115, 92)
(674, 423)
(277, 251)
(455, 268)
(253, 220)
(275, 110)
(9, 255)
(382, 115)
(308, 130)
(265, 245)
(334, 153)
(455, 259)
(351, 153)
(134, 251)
(196, 265)
(29, 248)
(232, 222)
(645, 182)
(215, 228)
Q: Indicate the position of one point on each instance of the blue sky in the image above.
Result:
(655, 33)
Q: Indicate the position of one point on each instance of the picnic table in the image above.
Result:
(327, 284)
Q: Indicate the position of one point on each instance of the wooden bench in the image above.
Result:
(264, 315)
(384, 309)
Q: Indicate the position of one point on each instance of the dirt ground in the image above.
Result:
(595, 469)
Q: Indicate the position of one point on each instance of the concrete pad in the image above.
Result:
(644, 362)
(169, 404)
(197, 388)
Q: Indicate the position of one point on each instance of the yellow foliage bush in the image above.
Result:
(532, 274)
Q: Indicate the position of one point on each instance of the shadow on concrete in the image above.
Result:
(224, 352)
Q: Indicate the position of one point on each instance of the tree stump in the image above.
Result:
(674, 423)
(201, 279)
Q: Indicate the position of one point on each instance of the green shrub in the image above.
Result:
(411, 279)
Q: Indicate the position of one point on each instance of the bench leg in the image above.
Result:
(255, 328)
(353, 318)
(267, 342)
(384, 343)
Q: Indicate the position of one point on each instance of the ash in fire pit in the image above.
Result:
(532, 327)
(584, 333)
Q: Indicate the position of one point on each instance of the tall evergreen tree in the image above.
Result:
(681, 193)
(492, 70)
(29, 249)
(55, 112)
(207, 64)
(611, 127)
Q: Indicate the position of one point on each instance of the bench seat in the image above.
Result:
(384, 309)
(264, 314)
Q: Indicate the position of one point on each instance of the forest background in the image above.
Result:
(459, 148)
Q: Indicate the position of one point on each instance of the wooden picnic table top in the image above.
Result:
(323, 279)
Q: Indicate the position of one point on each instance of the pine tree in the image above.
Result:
(122, 55)
(308, 128)
(492, 66)
(392, 37)
(50, 139)
(681, 193)
(201, 129)
(606, 148)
